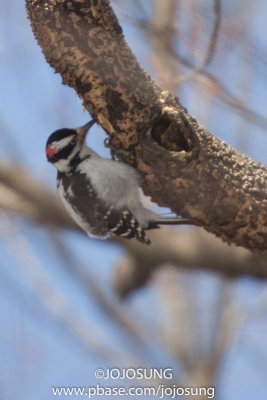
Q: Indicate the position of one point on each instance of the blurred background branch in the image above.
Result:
(21, 195)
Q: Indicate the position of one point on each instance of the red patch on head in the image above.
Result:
(50, 151)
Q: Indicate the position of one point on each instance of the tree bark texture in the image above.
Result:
(184, 167)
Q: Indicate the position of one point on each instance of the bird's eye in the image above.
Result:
(73, 141)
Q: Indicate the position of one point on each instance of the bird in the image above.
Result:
(100, 194)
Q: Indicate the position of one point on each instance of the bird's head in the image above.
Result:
(65, 144)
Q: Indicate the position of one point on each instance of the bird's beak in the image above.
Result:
(82, 131)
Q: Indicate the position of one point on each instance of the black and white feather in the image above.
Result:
(101, 195)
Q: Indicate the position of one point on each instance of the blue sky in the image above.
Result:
(37, 350)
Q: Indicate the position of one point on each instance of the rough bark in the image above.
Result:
(184, 166)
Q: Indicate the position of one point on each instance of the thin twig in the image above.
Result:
(211, 47)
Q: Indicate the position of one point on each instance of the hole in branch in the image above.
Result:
(173, 133)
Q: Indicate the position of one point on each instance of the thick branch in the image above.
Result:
(184, 167)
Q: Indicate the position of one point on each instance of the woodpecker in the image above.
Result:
(101, 195)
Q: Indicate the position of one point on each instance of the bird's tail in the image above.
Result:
(169, 221)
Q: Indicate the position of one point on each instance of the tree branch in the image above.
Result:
(23, 196)
(184, 167)
(195, 249)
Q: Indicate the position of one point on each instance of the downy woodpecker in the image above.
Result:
(101, 195)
